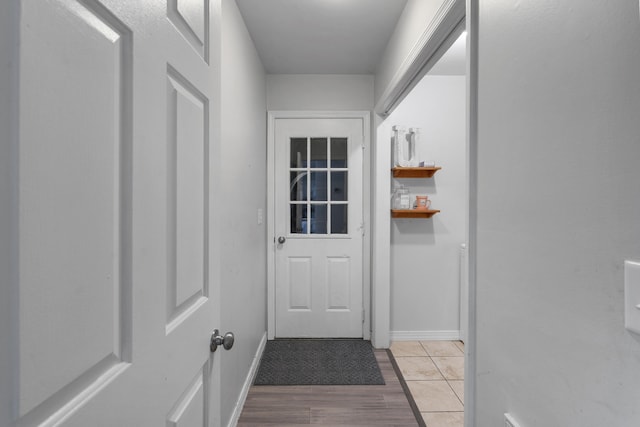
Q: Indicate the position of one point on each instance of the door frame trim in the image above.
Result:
(365, 116)
(422, 57)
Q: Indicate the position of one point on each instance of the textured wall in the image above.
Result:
(243, 162)
(558, 212)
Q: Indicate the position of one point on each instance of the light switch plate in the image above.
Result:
(632, 296)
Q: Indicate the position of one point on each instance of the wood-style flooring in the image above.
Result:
(356, 406)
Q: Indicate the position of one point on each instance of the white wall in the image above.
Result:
(319, 92)
(558, 212)
(425, 253)
(243, 163)
(414, 20)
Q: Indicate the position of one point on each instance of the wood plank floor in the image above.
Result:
(356, 406)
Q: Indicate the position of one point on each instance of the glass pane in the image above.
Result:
(299, 219)
(318, 219)
(298, 186)
(339, 186)
(338, 152)
(339, 220)
(298, 153)
(319, 186)
(318, 152)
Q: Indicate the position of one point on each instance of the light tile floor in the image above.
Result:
(434, 372)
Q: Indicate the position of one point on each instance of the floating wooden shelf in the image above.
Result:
(424, 172)
(413, 213)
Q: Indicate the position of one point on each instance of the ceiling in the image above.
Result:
(320, 36)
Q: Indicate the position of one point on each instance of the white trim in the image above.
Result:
(464, 285)
(271, 270)
(381, 239)
(470, 369)
(427, 50)
(253, 370)
(366, 217)
(425, 335)
(365, 116)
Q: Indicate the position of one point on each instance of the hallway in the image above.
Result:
(331, 405)
(137, 209)
(432, 370)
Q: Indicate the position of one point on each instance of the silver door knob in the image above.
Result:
(281, 239)
(225, 341)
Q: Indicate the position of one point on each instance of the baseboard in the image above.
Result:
(247, 383)
(425, 335)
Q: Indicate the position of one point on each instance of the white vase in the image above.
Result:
(399, 142)
(412, 161)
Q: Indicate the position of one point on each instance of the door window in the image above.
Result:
(318, 186)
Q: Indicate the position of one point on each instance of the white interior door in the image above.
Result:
(318, 227)
(115, 276)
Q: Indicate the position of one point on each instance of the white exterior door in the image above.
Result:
(115, 280)
(318, 216)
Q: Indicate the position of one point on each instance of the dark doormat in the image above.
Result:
(318, 362)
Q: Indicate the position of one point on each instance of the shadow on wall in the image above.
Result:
(414, 232)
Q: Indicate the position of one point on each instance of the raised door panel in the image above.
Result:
(75, 188)
(191, 408)
(300, 282)
(338, 284)
(191, 20)
(188, 188)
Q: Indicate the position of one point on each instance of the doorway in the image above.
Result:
(431, 46)
(426, 257)
(316, 205)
